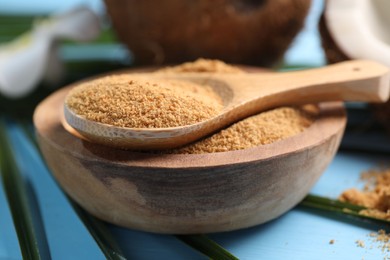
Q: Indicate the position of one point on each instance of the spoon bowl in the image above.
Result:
(248, 94)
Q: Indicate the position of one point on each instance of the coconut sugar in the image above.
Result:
(263, 128)
(380, 240)
(383, 238)
(375, 196)
(202, 65)
(132, 101)
(360, 243)
(124, 101)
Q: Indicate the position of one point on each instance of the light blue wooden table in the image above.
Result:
(302, 233)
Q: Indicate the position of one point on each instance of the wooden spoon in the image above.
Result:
(245, 95)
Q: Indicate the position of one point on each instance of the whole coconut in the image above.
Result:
(253, 32)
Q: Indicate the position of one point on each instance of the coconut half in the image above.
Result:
(360, 28)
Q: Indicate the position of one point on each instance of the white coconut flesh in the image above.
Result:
(360, 28)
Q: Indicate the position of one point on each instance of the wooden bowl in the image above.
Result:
(182, 194)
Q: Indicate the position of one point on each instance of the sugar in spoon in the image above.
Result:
(245, 95)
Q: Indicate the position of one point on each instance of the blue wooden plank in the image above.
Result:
(66, 234)
(305, 233)
(345, 170)
(9, 246)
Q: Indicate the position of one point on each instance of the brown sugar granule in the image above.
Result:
(360, 243)
(202, 65)
(140, 103)
(375, 196)
(383, 238)
(375, 213)
(263, 128)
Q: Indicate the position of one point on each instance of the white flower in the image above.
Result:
(33, 56)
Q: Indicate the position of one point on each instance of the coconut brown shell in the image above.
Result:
(253, 32)
(332, 52)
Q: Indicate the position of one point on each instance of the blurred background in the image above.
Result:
(300, 47)
(305, 49)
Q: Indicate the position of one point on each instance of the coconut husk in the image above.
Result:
(235, 31)
(332, 52)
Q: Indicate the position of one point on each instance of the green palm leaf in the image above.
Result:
(207, 247)
(338, 207)
(17, 195)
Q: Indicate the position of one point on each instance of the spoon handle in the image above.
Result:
(357, 80)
